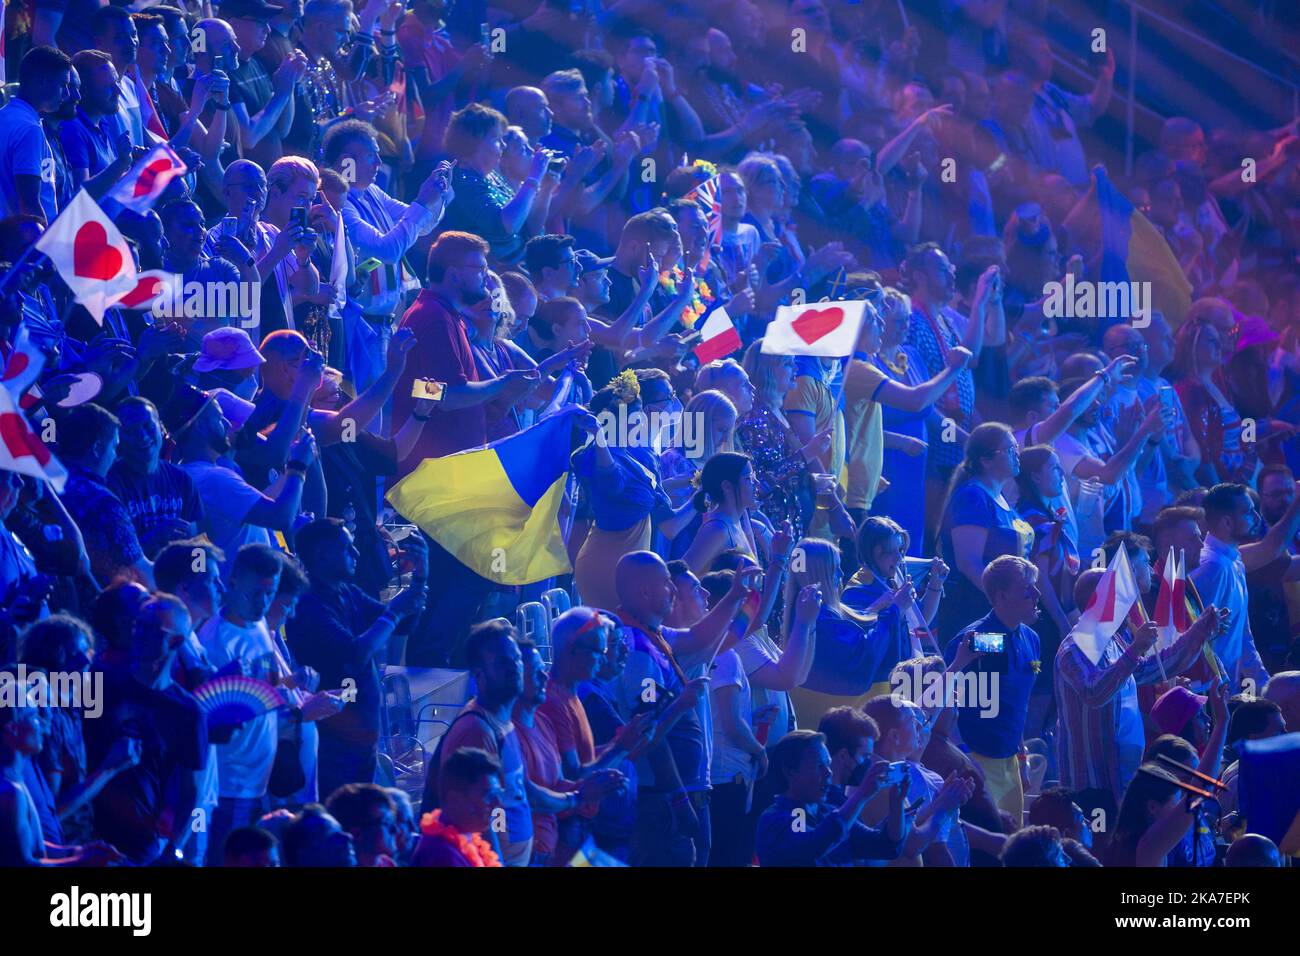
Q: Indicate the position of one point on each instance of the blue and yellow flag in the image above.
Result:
(1132, 249)
(497, 509)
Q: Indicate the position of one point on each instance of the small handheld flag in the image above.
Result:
(22, 450)
(90, 255)
(141, 187)
(827, 329)
(720, 337)
(154, 285)
(1116, 594)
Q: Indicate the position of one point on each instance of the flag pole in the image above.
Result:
(13, 268)
(1206, 650)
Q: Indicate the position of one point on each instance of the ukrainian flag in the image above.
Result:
(1133, 250)
(497, 509)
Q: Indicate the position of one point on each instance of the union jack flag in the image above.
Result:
(708, 196)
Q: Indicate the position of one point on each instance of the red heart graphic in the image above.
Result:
(19, 441)
(144, 185)
(17, 365)
(92, 256)
(147, 288)
(817, 323)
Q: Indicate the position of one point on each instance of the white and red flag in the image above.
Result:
(1116, 594)
(22, 450)
(828, 329)
(90, 254)
(24, 366)
(141, 187)
(150, 287)
(720, 337)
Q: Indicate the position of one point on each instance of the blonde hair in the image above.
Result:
(815, 561)
(287, 170)
(760, 367)
(709, 405)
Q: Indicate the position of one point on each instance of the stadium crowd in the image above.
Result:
(462, 219)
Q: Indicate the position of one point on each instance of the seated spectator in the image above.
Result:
(825, 834)
(367, 814)
(251, 847)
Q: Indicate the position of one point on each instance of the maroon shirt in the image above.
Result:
(441, 353)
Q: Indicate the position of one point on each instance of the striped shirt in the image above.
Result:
(1090, 696)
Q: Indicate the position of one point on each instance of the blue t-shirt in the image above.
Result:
(24, 151)
(1008, 532)
(89, 145)
(999, 734)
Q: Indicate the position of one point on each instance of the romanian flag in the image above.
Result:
(1132, 249)
(497, 509)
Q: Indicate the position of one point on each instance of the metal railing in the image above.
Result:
(1137, 12)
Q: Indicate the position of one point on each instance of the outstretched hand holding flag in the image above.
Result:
(1116, 593)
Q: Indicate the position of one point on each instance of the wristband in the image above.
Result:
(535, 183)
(420, 418)
(296, 468)
(220, 107)
(390, 617)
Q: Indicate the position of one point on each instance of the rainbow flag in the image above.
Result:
(497, 509)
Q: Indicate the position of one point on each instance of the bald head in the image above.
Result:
(527, 108)
(1253, 850)
(644, 586)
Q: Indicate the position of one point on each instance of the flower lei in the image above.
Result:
(626, 386)
(705, 166)
(700, 297)
(899, 364)
(1036, 666)
(473, 847)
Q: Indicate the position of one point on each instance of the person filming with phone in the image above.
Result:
(802, 828)
(1005, 647)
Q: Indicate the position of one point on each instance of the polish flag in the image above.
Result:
(828, 329)
(1171, 615)
(1116, 594)
(22, 450)
(90, 254)
(141, 187)
(720, 337)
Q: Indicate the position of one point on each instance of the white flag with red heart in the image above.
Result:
(22, 450)
(24, 365)
(90, 254)
(150, 287)
(828, 329)
(139, 188)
